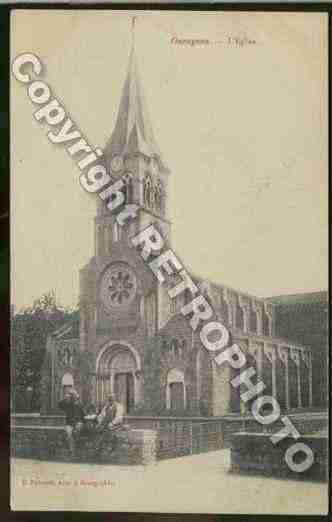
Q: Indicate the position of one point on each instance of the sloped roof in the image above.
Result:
(69, 330)
(310, 298)
(133, 130)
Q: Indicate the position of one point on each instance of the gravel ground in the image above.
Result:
(196, 484)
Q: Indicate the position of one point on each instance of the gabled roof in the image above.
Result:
(133, 132)
(69, 330)
(305, 298)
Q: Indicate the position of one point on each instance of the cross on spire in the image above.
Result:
(133, 24)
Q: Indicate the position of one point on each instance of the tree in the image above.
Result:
(29, 331)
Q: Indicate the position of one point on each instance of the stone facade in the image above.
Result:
(133, 340)
(304, 319)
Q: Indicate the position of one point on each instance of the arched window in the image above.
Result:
(253, 320)
(266, 324)
(239, 318)
(172, 305)
(175, 390)
(158, 195)
(152, 196)
(128, 188)
(147, 190)
(67, 382)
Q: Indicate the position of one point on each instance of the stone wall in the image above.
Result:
(172, 348)
(254, 453)
(304, 320)
(151, 438)
(36, 419)
(49, 442)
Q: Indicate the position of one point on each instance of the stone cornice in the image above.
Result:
(239, 334)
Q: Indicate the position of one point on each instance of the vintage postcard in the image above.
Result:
(169, 259)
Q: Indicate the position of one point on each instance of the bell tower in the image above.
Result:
(119, 296)
(132, 154)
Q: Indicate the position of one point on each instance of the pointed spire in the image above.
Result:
(133, 24)
(133, 131)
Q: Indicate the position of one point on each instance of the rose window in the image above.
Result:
(118, 286)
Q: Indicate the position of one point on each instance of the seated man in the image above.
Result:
(109, 420)
(74, 412)
(90, 420)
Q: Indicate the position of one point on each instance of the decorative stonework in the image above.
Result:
(118, 286)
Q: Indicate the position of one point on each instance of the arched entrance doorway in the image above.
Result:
(117, 372)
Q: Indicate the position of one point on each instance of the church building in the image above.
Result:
(131, 338)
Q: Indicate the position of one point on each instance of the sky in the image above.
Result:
(243, 130)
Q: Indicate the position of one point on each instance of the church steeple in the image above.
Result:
(133, 132)
(133, 154)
